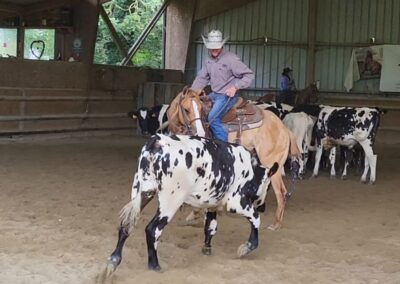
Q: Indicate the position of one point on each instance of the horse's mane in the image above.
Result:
(174, 124)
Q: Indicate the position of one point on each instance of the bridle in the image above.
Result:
(188, 123)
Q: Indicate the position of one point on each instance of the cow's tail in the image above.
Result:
(294, 149)
(130, 213)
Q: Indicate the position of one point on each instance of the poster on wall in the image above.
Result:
(380, 62)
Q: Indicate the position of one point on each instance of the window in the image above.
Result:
(129, 19)
(39, 44)
(8, 42)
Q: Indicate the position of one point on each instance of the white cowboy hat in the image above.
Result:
(214, 40)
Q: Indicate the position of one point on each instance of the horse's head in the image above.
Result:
(314, 86)
(187, 114)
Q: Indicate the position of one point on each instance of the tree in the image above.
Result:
(129, 18)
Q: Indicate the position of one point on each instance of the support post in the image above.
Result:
(311, 43)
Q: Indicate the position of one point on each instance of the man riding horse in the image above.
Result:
(226, 74)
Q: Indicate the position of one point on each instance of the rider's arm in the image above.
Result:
(244, 75)
(202, 79)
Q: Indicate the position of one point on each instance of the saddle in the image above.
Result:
(242, 116)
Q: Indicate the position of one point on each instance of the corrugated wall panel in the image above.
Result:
(341, 25)
(283, 22)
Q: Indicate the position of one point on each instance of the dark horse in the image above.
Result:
(308, 95)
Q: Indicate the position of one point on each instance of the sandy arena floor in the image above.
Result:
(59, 204)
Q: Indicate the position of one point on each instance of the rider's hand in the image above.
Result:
(231, 91)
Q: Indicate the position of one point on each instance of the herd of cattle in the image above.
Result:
(211, 174)
(318, 128)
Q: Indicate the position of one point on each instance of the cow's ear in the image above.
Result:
(132, 115)
(273, 169)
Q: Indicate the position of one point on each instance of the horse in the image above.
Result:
(272, 141)
(308, 95)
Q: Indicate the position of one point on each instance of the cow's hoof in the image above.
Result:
(274, 227)
(206, 250)
(244, 249)
(344, 177)
(371, 182)
(363, 181)
(154, 267)
(332, 177)
(313, 176)
(113, 261)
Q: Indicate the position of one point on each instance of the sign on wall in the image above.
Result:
(375, 62)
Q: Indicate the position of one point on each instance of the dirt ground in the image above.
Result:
(59, 204)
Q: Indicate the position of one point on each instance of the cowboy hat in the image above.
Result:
(287, 70)
(214, 40)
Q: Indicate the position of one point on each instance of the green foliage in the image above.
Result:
(129, 18)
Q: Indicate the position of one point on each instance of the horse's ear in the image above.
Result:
(185, 89)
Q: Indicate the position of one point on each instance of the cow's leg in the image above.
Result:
(332, 159)
(348, 156)
(370, 162)
(154, 230)
(124, 231)
(280, 193)
(210, 229)
(245, 208)
(318, 155)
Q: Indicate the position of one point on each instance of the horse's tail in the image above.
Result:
(129, 215)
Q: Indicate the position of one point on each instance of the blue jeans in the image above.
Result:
(219, 108)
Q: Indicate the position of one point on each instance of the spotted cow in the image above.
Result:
(201, 172)
(151, 120)
(348, 126)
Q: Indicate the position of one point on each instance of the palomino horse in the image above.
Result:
(308, 95)
(272, 141)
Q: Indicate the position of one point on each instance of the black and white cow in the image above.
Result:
(151, 120)
(348, 126)
(280, 110)
(201, 172)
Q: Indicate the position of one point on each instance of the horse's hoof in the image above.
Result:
(206, 250)
(274, 227)
(363, 181)
(344, 177)
(371, 182)
(244, 249)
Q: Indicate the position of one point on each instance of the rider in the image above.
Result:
(287, 87)
(226, 74)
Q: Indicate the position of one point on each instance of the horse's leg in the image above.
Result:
(154, 230)
(280, 193)
(124, 231)
(210, 229)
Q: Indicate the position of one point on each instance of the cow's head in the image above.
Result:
(144, 117)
